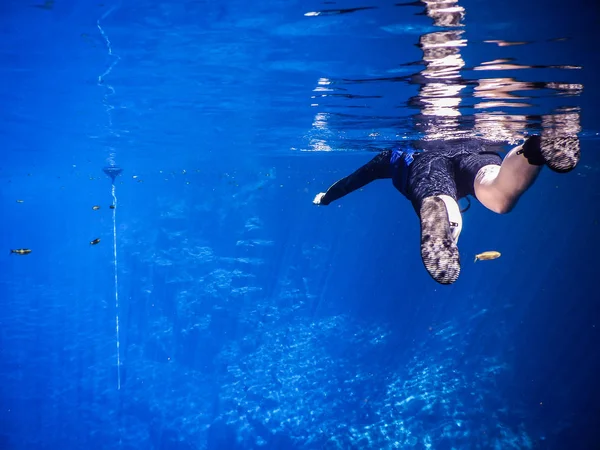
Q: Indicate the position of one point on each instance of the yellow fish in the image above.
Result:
(21, 251)
(487, 255)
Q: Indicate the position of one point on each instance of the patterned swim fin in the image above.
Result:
(560, 153)
(438, 250)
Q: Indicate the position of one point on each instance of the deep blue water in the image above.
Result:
(248, 317)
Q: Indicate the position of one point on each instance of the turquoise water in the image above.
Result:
(249, 318)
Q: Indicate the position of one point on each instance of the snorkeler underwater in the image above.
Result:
(435, 180)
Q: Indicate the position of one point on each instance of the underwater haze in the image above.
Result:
(182, 292)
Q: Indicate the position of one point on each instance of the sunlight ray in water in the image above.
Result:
(114, 218)
(112, 171)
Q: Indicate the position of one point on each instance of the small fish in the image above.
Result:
(19, 201)
(95, 207)
(112, 206)
(21, 251)
(95, 241)
(487, 255)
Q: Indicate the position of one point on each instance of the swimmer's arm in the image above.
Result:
(377, 168)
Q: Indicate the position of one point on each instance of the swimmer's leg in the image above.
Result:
(433, 194)
(499, 187)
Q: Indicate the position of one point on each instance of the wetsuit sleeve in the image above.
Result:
(377, 168)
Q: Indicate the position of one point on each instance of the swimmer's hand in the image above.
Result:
(318, 197)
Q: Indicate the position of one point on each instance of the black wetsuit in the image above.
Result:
(441, 168)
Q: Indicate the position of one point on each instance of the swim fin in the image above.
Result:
(439, 251)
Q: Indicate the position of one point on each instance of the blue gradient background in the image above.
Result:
(249, 318)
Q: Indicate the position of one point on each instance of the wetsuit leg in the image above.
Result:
(431, 187)
(432, 173)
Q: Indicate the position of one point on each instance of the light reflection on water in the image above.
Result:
(492, 100)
